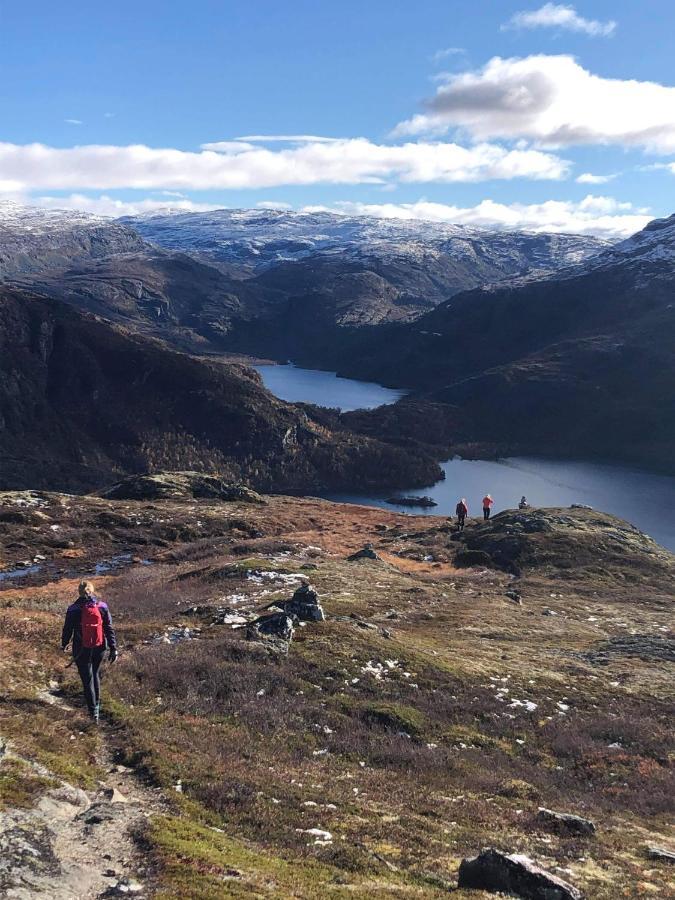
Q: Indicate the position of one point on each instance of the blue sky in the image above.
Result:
(447, 130)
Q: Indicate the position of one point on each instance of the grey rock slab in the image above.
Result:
(494, 871)
(565, 822)
(661, 853)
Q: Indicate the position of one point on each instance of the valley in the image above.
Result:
(450, 691)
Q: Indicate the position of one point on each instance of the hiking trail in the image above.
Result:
(76, 844)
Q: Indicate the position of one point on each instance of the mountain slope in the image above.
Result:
(578, 363)
(82, 402)
(283, 285)
(33, 240)
(321, 275)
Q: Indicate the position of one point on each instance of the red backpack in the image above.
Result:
(92, 626)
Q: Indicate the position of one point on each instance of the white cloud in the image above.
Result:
(602, 216)
(9, 187)
(273, 204)
(552, 100)
(558, 15)
(34, 167)
(111, 206)
(73, 121)
(440, 55)
(231, 147)
(589, 178)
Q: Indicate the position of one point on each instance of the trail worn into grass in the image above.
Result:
(74, 844)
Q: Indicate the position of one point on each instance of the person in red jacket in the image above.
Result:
(462, 511)
(487, 506)
(89, 624)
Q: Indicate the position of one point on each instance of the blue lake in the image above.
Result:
(297, 385)
(643, 498)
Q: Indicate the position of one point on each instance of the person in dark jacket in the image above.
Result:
(462, 511)
(88, 659)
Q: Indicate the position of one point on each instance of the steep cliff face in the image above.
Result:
(82, 403)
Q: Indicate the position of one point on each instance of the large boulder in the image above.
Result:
(366, 553)
(498, 872)
(181, 486)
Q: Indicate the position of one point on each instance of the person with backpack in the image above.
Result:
(487, 506)
(89, 624)
(462, 511)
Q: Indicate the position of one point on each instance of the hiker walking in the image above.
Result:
(487, 506)
(89, 624)
(462, 511)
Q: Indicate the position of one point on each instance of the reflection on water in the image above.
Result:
(642, 498)
(297, 385)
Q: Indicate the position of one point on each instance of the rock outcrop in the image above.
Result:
(274, 631)
(304, 605)
(565, 823)
(494, 871)
(567, 539)
(181, 486)
(368, 552)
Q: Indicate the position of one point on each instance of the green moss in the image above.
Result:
(243, 566)
(20, 786)
(58, 740)
(464, 734)
(394, 717)
(519, 790)
(200, 863)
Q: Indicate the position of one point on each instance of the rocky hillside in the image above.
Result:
(259, 282)
(34, 240)
(580, 363)
(434, 696)
(82, 402)
(320, 274)
(263, 239)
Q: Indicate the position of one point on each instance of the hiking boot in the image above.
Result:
(94, 713)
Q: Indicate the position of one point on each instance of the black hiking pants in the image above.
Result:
(460, 522)
(486, 513)
(88, 665)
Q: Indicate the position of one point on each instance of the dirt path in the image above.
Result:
(75, 844)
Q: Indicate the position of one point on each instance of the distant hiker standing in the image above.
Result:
(462, 511)
(89, 624)
(523, 503)
(487, 506)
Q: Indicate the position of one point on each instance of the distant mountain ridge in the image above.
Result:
(260, 282)
(263, 238)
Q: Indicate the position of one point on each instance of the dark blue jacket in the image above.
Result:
(72, 629)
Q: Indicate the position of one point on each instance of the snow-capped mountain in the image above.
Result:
(654, 244)
(34, 239)
(263, 238)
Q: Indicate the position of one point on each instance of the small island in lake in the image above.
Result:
(412, 501)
